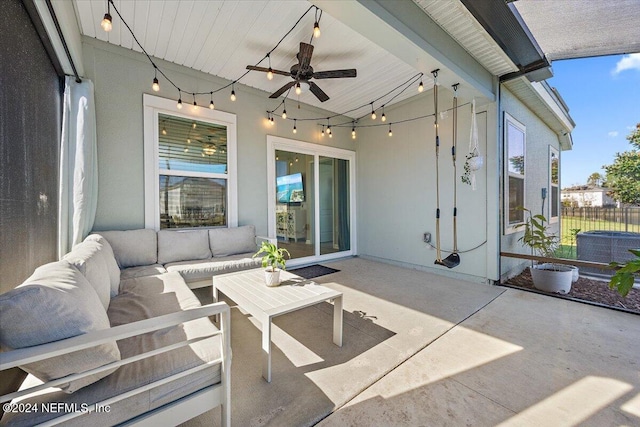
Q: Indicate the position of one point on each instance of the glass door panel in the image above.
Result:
(334, 212)
(295, 208)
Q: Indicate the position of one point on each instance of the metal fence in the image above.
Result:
(601, 218)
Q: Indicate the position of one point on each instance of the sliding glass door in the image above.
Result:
(311, 199)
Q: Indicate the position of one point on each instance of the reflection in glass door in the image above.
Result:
(334, 205)
(295, 210)
(311, 200)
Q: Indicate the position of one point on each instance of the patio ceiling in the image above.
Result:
(576, 28)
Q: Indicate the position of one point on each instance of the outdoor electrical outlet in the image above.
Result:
(426, 237)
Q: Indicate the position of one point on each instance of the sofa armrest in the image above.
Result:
(32, 354)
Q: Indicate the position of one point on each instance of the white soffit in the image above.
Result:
(458, 22)
(222, 38)
(580, 28)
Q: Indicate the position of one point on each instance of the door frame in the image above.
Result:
(285, 144)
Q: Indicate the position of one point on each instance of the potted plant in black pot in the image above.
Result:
(273, 261)
(548, 277)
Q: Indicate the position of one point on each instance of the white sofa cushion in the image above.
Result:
(182, 245)
(142, 271)
(55, 303)
(193, 271)
(87, 257)
(232, 241)
(133, 247)
(142, 298)
(110, 259)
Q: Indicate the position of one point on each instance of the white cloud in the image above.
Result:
(613, 134)
(628, 62)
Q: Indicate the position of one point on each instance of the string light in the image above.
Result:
(195, 107)
(296, 159)
(298, 88)
(420, 86)
(295, 129)
(164, 130)
(211, 104)
(284, 111)
(328, 127)
(316, 30)
(353, 131)
(193, 125)
(383, 117)
(322, 133)
(390, 133)
(233, 93)
(270, 72)
(179, 100)
(373, 112)
(107, 21)
(155, 86)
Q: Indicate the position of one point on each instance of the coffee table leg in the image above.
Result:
(337, 321)
(266, 348)
(216, 317)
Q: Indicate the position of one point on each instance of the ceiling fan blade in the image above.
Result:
(283, 89)
(266, 70)
(335, 74)
(304, 56)
(319, 93)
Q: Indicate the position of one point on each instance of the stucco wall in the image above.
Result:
(538, 139)
(397, 189)
(121, 77)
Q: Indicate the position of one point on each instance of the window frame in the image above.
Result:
(553, 219)
(510, 120)
(152, 107)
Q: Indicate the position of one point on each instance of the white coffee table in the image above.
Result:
(248, 290)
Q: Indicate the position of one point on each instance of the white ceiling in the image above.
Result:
(223, 37)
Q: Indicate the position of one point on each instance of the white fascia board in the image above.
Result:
(552, 104)
(71, 32)
(406, 31)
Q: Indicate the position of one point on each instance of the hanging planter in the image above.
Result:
(474, 160)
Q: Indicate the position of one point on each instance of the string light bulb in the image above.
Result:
(195, 107)
(211, 104)
(353, 132)
(193, 125)
(164, 130)
(155, 86)
(322, 132)
(284, 113)
(390, 133)
(383, 117)
(298, 89)
(233, 93)
(295, 129)
(107, 21)
(373, 112)
(270, 74)
(316, 30)
(179, 106)
(420, 87)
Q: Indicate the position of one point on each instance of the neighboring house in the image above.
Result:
(581, 196)
(376, 193)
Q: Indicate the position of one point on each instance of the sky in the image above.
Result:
(603, 96)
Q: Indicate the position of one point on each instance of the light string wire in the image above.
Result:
(155, 66)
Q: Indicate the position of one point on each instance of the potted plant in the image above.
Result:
(548, 277)
(273, 261)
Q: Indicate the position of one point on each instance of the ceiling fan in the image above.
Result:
(302, 72)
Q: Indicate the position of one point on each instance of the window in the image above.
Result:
(515, 150)
(554, 181)
(190, 173)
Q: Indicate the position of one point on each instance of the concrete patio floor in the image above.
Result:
(421, 349)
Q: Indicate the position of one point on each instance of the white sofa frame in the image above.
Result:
(172, 413)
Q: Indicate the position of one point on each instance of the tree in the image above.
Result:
(623, 176)
(595, 179)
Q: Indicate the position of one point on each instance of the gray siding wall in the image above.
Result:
(122, 76)
(538, 139)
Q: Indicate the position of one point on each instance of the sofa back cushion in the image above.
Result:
(182, 245)
(110, 260)
(133, 247)
(232, 241)
(55, 303)
(87, 257)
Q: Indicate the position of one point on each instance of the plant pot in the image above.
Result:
(552, 278)
(576, 273)
(272, 278)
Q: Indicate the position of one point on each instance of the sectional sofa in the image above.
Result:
(112, 333)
